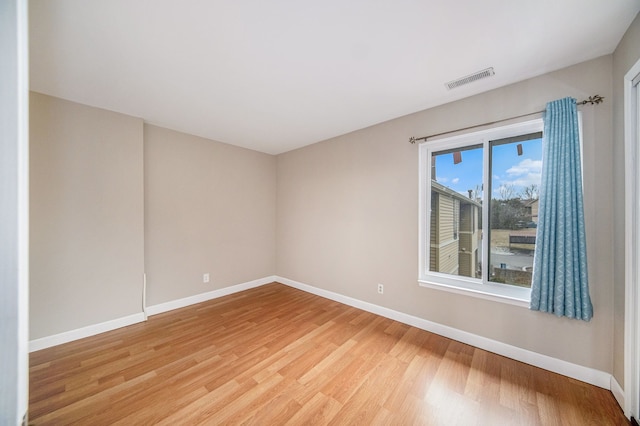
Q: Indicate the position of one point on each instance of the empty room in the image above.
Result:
(393, 213)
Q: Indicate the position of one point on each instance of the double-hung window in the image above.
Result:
(479, 211)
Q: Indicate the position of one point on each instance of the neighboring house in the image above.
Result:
(454, 232)
(531, 208)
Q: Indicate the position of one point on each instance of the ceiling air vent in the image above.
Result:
(470, 78)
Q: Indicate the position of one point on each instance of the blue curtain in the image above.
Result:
(560, 282)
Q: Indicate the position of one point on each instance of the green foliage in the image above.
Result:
(508, 214)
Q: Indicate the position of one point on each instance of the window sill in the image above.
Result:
(517, 296)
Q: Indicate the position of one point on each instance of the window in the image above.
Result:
(479, 211)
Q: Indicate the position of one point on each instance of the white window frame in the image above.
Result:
(482, 288)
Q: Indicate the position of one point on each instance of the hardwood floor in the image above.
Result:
(276, 355)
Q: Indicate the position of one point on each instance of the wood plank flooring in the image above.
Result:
(275, 355)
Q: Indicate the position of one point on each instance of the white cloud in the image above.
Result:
(455, 180)
(525, 167)
(525, 173)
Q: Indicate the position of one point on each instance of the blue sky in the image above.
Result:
(508, 168)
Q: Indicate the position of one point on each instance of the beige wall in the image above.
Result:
(625, 56)
(348, 217)
(86, 195)
(113, 198)
(209, 207)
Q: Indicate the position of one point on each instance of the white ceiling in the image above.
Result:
(280, 74)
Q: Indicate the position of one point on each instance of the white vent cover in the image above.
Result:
(470, 78)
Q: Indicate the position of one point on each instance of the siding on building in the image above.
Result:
(448, 258)
(454, 233)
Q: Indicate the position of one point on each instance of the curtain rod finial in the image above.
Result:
(593, 100)
(412, 140)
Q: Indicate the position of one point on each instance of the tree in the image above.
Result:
(505, 214)
(507, 191)
(530, 192)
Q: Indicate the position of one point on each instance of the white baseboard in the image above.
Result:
(617, 391)
(91, 330)
(81, 333)
(579, 372)
(203, 297)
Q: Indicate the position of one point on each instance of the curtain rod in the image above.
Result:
(593, 100)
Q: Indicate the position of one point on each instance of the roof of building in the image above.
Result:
(446, 190)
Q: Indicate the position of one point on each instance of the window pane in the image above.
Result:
(516, 166)
(456, 212)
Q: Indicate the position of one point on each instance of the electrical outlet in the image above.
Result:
(205, 278)
(380, 288)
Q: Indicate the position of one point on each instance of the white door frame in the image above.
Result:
(14, 211)
(632, 244)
